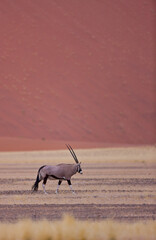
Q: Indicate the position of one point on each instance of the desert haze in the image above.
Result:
(76, 71)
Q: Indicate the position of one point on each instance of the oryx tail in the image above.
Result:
(35, 185)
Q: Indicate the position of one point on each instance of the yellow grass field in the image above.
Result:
(115, 197)
(70, 229)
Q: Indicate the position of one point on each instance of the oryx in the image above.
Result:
(61, 172)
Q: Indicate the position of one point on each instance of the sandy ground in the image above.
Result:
(77, 71)
(115, 189)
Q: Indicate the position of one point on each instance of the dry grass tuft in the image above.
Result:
(70, 228)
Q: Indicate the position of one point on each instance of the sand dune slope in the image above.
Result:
(78, 71)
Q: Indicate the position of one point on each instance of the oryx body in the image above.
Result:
(61, 172)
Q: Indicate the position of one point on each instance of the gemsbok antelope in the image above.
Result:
(61, 172)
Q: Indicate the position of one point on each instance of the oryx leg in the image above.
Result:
(70, 185)
(44, 183)
(59, 183)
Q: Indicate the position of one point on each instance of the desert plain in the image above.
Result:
(117, 184)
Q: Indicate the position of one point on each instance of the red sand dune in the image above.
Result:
(76, 71)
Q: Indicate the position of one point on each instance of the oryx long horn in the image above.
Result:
(72, 153)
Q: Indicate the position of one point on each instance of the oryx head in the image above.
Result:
(79, 169)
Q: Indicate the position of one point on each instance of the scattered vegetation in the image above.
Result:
(71, 229)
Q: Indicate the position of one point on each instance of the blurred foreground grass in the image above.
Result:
(71, 229)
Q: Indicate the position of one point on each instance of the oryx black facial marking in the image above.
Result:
(79, 169)
(61, 172)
